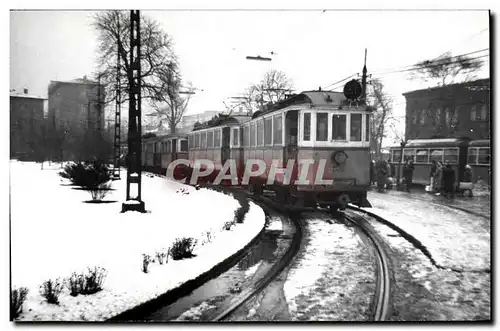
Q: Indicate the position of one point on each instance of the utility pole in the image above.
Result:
(117, 135)
(134, 201)
(363, 81)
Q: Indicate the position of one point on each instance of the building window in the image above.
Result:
(210, 139)
(260, 133)
(367, 128)
(268, 131)
(451, 155)
(414, 116)
(483, 156)
(422, 156)
(473, 113)
(236, 137)
(252, 134)
(356, 127)
(278, 132)
(422, 117)
(480, 113)
(307, 127)
(339, 123)
(217, 138)
(321, 126)
(456, 114)
(439, 113)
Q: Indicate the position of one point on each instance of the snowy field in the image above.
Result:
(55, 233)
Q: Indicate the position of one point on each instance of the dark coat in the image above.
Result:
(468, 175)
(448, 179)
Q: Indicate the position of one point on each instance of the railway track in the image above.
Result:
(383, 287)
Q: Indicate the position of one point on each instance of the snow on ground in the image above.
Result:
(331, 276)
(55, 233)
(454, 238)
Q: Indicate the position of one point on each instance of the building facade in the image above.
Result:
(76, 119)
(27, 126)
(452, 111)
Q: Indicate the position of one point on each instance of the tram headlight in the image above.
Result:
(340, 157)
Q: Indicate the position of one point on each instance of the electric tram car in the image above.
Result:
(158, 152)
(458, 152)
(322, 135)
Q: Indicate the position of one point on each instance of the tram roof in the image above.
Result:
(313, 98)
(224, 121)
(437, 142)
(477, 143)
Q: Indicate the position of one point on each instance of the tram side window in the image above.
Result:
(484, 156)
(260, 133)
(210, 139)
(422, 156)
(252, 134)
(367, 128)
(321, 126)
(278, 132)
(307, 127)
(436, 155)
(168, 147)
(409, 154)
(396, 155)
(451, 155)
(339, 123)
(356, 127)
(236, 137)
(184, 145)
(197, 140)
(268, 131)
(472, 156)
(245, 136)
(217, 138)
(203, 140)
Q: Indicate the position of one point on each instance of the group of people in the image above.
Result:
(443, 178)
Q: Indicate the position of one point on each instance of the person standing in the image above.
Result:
(432, 173)
(381, 167)
(438, 178)
(468, 174)
(408, 175)
(449, 181)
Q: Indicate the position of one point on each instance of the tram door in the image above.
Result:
(225, 151)
(291, 135)
(174, 149)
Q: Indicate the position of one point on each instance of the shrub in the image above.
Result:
(94, 280)
(88, 174)
(51, 289)
(228, 225)
(162, 255)
(207, 237)
(76, 284)
(98, 193)
(17, 298)
(182, 248)
(87, 283)
(146, 260)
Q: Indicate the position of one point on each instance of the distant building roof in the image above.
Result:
(26, 96)
(476, 83)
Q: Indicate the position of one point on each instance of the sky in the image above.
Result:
(313, 48)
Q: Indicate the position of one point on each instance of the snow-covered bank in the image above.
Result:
(54, 233)
(454, 238)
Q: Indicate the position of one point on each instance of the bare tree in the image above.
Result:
(382, 104)
(272, 88)
(446, 68)
(113, 28)
(168, 104)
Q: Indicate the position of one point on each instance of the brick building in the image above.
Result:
(27, 130)
(76, 119)
(452, 111)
